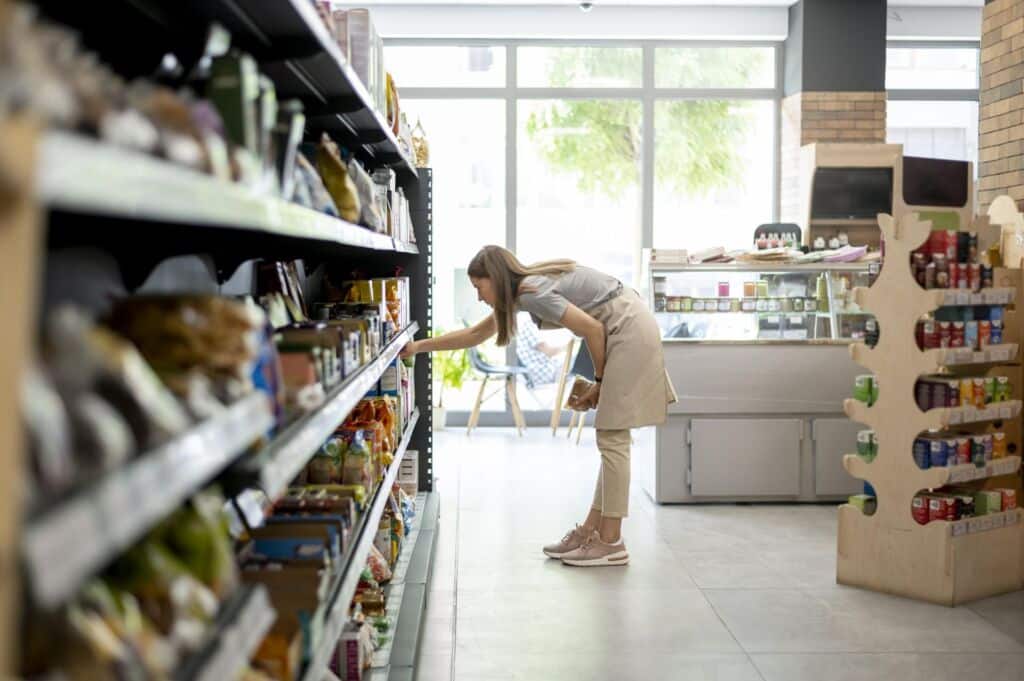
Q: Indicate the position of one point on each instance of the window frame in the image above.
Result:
(646, 94)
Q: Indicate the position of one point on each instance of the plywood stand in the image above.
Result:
(941, 562)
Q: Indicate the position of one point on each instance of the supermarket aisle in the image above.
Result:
(713, 593)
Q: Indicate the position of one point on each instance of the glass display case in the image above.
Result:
(757, 302)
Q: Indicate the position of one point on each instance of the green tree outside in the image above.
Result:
(600, 140)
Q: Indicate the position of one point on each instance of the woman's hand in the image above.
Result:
(410, 350)
(589, 399)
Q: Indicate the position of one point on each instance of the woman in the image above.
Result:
(631, 388)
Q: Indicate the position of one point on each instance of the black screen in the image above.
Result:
(935, 182)
(851, 193)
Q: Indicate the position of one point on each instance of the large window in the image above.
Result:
(588, 151)
(933, 100)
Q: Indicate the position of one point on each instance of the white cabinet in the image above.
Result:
(833, 439)
(745, 457)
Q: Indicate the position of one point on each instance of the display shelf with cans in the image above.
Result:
(933, 522)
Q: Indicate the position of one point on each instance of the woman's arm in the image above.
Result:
(456, 340)
(590, 330)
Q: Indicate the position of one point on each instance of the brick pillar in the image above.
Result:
(809, 117)
(834, 83)
(1001, 129)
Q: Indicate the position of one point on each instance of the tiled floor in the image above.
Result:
(712, 593)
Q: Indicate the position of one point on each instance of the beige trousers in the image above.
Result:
(611, 498)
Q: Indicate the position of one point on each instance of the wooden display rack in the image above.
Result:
(941, 562)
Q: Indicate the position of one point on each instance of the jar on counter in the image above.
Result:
(674, 304)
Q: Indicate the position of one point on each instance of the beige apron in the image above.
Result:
(635, 389)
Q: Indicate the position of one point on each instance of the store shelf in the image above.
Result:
(992, 354)
(406, 593)
(241, 625)
(344, 585)
(844, 222)
(81, 175)
(985, 523)
(969, 472)
(72, 541)
(296, 51)
(959, 298)
(955, 416)
(274, 468)
(763, 268)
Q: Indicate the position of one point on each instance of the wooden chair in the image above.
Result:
(563, 379)
(489, 371)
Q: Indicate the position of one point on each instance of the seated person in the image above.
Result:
(540, 359)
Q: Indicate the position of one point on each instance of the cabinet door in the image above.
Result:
(833, 439)
(745, 457)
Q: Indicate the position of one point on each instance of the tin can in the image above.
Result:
(952, 243)
(998, 445)
(923, 394)
(952, 393)
(978, 450)
(972, 247)
(963, 450)
(987, 277)
(957, 337)
(922, 453)
(966, 392)
(938, 509)
(963, 277)
(996, 334)
(962, 246)
(919, 509)
(945, 334)
(989, 443)
(951, 453)
(966, 506)
(984, 334)
(862, 388)
(1004, 391)
(918, 262)
(974, 277)
(971, 335)
(874, 390)
(979, 393)
(937, 453)
(929, 275)
(990, 389)
(930, 334)
(865, 448)
(954, 272)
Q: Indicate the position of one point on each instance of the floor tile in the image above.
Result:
(590, 621)
(902, 666)
(614, 664)
(1005, 613)
(851, 620)
(434, 666)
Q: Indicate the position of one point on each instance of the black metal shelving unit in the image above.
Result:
(120, 216)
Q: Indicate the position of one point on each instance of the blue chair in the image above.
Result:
(489, 371)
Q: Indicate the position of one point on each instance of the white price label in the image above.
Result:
(959, 529)
(1005, 412)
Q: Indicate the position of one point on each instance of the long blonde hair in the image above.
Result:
(506, 273)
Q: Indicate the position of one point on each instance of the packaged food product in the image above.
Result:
(999, 450)
(336, 178)
(922, 453)
(920, 509)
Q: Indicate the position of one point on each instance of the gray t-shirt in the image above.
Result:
(549, 296)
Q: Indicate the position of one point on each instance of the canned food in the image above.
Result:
(966, 392)
(862, 388)
(1004, 391)
(937, 453)
(923, 394)
(987, 277)
(952, 393)
(919, 509)
(957, 337)
(971, 335)
(945, 334)
(963, 450)
(978, 450)
(972, 247)
(951, 452)
(974, 277)
(930, 334)
(990, 389)
(966, 506)
(984, 334)
(865, 449)
(929, 275)
(874, 390)
(922, 453)
(996, 335)
(979, 393)
(998, 445)
(952, 241)
(988, 442)
(939, 509)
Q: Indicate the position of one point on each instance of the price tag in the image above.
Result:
(963, 298)
(1013, 518)
(998, 521)
(959, 529)
(1005, 412)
